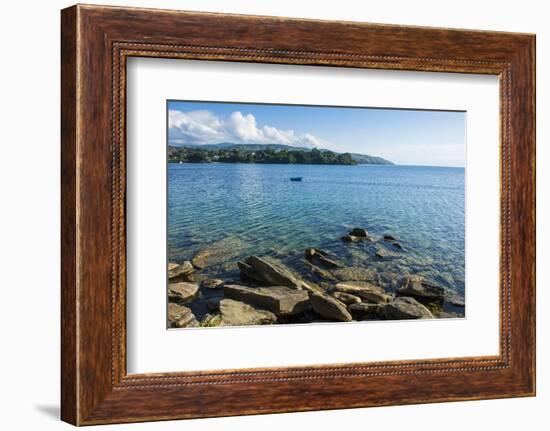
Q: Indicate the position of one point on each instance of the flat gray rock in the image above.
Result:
(329, 307)
(180, 316)
(366, 310)
(268, 271)
(182, 292)
(346, 298)
(280, 300)
(213, 284)
(405, 307)
(235, 313)
(417, 286)
(179, 269)
(365, 290)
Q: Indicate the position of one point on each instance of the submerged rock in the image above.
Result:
(393, 241)
(455, 299)
(367, 291)
(405, 307)
(320, 257)
(235, 313)
(280, 300)
(417, 286)
(310, 252)
(383, 252)
(182, 292)
(360, 232)
(181, 317)
(179, 269)
(319, 272)
(329, 307)
(449, 315)
(350, 238)
(355, 273)
(219, 252)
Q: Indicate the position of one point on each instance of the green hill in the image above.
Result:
(266, 153)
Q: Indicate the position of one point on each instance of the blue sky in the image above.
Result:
(411, 137)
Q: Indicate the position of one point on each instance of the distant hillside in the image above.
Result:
(276, 148)
(370, 160)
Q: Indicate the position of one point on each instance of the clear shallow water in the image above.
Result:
(258, 207)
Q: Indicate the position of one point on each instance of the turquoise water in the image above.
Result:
(266, 214)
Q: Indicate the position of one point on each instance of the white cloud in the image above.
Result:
(205, 127)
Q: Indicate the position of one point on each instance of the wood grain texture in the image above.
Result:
(69, 397)
(96, 41)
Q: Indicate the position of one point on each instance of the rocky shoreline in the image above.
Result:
(267, 291)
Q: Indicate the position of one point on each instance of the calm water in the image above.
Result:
(266, 214)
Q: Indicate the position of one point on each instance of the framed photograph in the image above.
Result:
(324, 214)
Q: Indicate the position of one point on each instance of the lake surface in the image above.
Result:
(264, 213)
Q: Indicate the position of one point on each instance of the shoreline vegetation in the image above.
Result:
(268, 292)
(266, 153)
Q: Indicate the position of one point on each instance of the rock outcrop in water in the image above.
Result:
(355, 273)
(359, 232)
(416, 286)
(384, 253)
(322, 290)
(268, 271)
(351, 238)
(356, 234)
(176, 270)
(219, 252)
(280, 300)
(364, 290)
(322, 258)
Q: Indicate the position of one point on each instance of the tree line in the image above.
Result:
(315, 156)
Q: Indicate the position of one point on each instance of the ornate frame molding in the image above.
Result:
(96, 41)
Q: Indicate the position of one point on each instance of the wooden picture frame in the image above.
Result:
(95, 43)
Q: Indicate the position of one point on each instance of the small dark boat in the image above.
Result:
(296, 178)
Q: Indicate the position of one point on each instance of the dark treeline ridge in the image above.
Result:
(268, 155)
